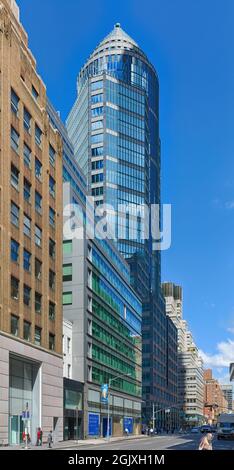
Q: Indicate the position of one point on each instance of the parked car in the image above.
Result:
(195, 430)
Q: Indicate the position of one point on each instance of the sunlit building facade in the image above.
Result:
(114, 127)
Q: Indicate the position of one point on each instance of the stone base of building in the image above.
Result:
(31, 392)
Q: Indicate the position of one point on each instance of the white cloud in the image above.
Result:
(223, 357)
(230, 330)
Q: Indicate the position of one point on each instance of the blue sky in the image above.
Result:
(190, 43)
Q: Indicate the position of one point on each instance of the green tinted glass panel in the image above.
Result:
(67, 272)
(67, 247)
(67, 298)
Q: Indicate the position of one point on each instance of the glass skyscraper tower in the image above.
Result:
(114, 127)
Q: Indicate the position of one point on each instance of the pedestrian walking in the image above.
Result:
(50, 439)
(206, 442)
(126, 432)
(41, 435)
(38, 436)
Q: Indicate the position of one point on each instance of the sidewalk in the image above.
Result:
(74, 444)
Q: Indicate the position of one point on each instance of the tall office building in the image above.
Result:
(114, 127)
(190, 367)
(102, 320)
(31, 368)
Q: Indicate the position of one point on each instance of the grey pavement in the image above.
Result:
(137, 443)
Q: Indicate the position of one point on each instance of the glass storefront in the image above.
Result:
(73, 410)
(24, 403)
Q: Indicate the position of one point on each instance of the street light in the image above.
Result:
(77, 416)
(108, 403)
(166, 411)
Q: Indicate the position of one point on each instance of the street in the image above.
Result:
(165, 442)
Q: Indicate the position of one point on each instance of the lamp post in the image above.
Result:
(108, 403)
(77, 416)
(166, 410)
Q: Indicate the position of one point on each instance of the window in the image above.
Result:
(37, 337)
(67, 247)
(51, 342)
(14, 288)
(52, 155)
(27, 260)
(35, 93)
(97, 191)
(38, 202)
(97, 98)
(98, 165)
(38, 302)
(27, 156)
(96, 125)
(38, 269)
(14, 102)
(52, 248)
(27, 190)
(68, 345)
(38, 235)
(97, 178)
(38, 135)
(96, 85)
(14, 139)
(67, 298)
(69, 371)
(52, 186)
(38, 169)
(27, 226)
(97, 152)
(96, 112)
(14, 251)
(96, 139)
(27, 295)
(14, 325)
(67, 272)
(52, 217)
(51, 279)
(27, 330)
(15, 177)
(14, 214)
(51, 311)
(27, 120)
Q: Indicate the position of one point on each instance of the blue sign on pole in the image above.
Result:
(128, 425)
(104, 393)
(93, 424)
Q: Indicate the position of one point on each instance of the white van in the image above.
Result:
(225, 426)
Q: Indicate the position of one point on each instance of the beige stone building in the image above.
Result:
(190, 365)
(31, 367)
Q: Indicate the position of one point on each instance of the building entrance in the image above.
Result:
(24, 396)
(16, 427)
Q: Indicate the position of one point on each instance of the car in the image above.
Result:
(205, 428)
(194, 430)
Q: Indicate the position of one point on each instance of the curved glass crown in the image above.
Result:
(120, 56)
